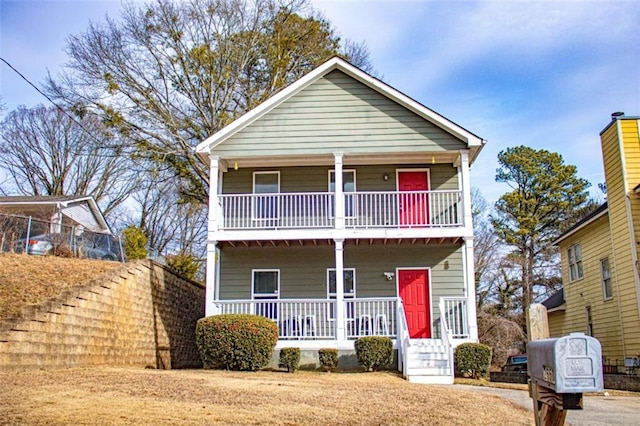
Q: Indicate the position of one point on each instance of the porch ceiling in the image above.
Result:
(329, 242)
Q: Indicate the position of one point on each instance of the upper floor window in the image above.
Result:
(607, 289)
(575, 262)
(266, 206)
(348, 186)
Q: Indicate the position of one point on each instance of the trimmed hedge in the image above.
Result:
(374, 352)
(289, 359)
(472, 359)
(328, 358)
(236, 341)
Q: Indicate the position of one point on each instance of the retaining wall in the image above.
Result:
(140, 315)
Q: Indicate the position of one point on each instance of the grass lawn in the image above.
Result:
(119, 396)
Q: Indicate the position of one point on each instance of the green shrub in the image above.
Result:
(236, 341)
(185, 265)
(134, 241)
(374, 352)
(328, 358)
(472, 359)
(289, 359)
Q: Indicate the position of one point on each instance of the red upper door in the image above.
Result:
(413, 287)
(413, 207)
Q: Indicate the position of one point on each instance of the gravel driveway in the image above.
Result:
(598, 410)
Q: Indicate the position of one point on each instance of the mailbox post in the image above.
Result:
(560, 370)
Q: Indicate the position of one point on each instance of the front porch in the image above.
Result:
(313, 323)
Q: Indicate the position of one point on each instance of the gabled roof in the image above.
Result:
(473, 141)
(56, 200)
(591, 217)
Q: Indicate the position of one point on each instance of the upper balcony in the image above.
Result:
(363, 210)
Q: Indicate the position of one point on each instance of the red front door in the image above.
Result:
(413, 207)
(413, 287)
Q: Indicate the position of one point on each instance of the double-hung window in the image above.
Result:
(266, 186)
(265, 286)
(348, 187)
(607, 289)
(575, 262)
(349, 290)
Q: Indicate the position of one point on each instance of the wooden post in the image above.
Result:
(547, 411)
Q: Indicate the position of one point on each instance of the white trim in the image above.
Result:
(430, 290)
(332, 64)
(253, 283)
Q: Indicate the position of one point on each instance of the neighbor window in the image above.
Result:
(575, 262)
(607, 289)
(266, 286)
(349, 289)
(348, 187)
(265, 206)
(589, 321)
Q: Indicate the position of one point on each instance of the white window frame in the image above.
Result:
(606, 278)
(349, 210)
(332, 296)
(576, 271)
(255, 206)
(265, 309)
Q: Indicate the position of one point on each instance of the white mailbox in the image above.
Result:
(569, 364)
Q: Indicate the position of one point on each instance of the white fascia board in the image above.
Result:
(97, 213)
(204, 148)
(583, 225)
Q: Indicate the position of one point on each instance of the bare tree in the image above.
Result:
(171, 73)
(45, 152)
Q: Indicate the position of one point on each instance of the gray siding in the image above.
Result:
(316, 179)
(303, 269)
(337, 113)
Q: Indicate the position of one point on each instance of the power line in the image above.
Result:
(72, 118)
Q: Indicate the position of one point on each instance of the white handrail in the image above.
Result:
(403, 338)
(446, 338)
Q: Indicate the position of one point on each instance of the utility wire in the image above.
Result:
(72, 118)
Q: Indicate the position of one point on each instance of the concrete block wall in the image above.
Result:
(140, 315)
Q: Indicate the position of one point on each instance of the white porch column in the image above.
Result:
(340, 312)
(339, 193)
(465, 180)
(470, 285)
(212, 230)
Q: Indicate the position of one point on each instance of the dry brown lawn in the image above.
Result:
(119, 396)
(28, 280)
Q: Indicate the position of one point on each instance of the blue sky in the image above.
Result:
(546, 74)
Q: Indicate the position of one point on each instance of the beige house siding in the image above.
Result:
(316, 179)
(557, 323)
(595, 245)
(620, 166)
(303, 270)
(338, 113)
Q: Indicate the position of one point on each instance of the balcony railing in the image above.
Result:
(454, 311)
(362, 210)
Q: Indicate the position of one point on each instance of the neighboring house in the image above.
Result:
(341, 208)
(556, 305)
(81, 212)
(600, 254)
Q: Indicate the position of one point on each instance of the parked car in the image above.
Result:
(46, 244)
(516, 363)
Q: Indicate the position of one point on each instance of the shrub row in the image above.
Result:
(246, 342)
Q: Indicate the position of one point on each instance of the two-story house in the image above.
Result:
(600, 270)
(340, 208)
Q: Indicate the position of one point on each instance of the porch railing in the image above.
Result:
(369, 209)
(453, 311)
(446, 335)
(308, 319)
